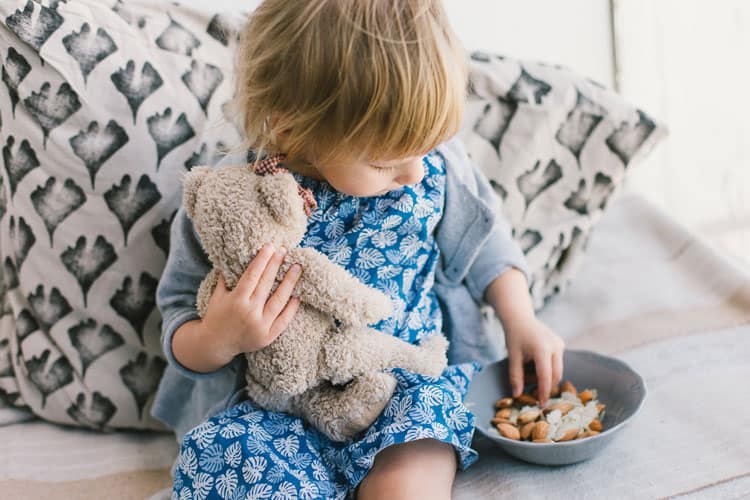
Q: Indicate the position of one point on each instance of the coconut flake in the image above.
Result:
(570, 397)
(514, 415)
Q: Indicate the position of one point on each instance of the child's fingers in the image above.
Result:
(220, 283)
(221, 287)
(249, 279)
(282, 320)
(267, 279)
(515, 362)
(543, 372)
(281, 296)
(557, 367)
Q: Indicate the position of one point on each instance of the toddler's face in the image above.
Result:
(370, 178)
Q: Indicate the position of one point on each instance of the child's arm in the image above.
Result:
(187, 264)
(499, 276)
(241, 320)
(526, 338)
(244, 319)
(500, 270)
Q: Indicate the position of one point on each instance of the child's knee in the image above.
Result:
(419, 469)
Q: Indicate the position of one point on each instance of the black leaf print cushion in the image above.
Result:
(136, 88)
(102, 110)
(14, 70)
(89, 48)
(18, 161)
(556, 147)
(94, 147)
(50, 110)
(55, 202)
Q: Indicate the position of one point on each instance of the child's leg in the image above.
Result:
(418, 469)
(247, 451)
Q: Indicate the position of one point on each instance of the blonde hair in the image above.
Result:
(383, 78)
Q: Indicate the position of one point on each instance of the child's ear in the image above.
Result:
(190, 185)
(279, 128)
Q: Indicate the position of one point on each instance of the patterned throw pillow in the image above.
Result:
(556, 147)
(103, 107)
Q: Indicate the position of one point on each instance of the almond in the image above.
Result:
(497, 420)
(595, 425)
(503, 413)
(526, 430)
(526, 399)
(540, 430)
(504, 403)
(587, 434)
(585, 396)
(569, 434)
(528, 416)
(600, 407)
(569, 387)
(509, 431)
(564, 407)
(545, 440)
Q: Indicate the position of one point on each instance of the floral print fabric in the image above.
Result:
(387, 242)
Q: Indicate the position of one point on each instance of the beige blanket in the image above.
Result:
(647, 292)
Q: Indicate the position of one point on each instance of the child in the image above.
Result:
(360, 95)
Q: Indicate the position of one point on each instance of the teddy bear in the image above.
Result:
(327, 366)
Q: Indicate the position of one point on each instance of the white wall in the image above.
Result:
(688, 62)
(575, 33)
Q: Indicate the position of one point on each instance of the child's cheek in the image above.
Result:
(359, 184)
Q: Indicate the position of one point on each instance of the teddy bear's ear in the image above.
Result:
(190, 185)
(278, 192)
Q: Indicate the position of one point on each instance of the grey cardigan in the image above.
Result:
(475, 246)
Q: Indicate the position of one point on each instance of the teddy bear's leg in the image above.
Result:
(333, 290)
(288, 366)
(266, 399)
(353, 352)
(343, 412)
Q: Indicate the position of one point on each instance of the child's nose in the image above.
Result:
(411, 174)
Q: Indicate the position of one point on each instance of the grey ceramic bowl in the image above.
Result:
(620, 388)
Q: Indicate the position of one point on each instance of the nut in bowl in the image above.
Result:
(567, 415)
(565, 431)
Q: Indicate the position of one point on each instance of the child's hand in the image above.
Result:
(526, 338)
(532, 340)
(246, 319)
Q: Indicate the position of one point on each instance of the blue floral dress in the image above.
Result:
(387, 242)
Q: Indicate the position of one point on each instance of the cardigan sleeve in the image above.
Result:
(187, 264)
(500, 250)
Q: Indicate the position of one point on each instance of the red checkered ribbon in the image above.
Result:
(274, 165)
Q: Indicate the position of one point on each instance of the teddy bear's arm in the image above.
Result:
(333, 290)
